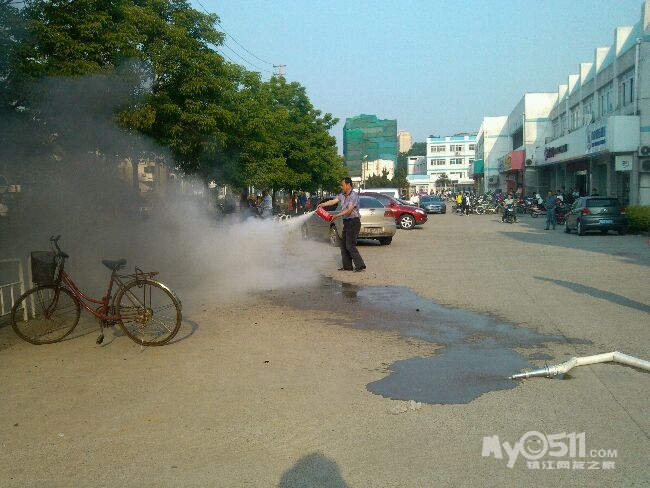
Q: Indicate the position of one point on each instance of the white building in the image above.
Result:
(592, 133)
(416, 165)
(506, 145)
(376, 168)
(451, 155)
(600, 136)
(404, 141)
(493, 142)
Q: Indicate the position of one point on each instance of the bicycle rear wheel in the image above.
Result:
(45, 314)
(149, 312)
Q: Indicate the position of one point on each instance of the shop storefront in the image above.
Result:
(511, 168)
(597, 157)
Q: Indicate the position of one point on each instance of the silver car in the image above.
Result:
(376, 223)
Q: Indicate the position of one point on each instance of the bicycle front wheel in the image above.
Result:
(45, 314)
(148, 311)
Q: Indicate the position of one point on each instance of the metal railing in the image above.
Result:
(8, 293)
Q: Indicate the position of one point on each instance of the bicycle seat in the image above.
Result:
(114, 265)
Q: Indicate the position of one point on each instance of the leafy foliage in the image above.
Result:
(379, 181)
(217, 119)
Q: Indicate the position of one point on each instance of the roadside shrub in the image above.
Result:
(638, 219)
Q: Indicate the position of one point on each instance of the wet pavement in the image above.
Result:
(477, 352)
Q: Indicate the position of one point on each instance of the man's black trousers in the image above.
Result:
(349, 252)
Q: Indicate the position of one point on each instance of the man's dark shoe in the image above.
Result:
(360, 269)
(345, 269)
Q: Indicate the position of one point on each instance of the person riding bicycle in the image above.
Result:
(508, 208)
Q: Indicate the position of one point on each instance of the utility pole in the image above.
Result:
(280, 69)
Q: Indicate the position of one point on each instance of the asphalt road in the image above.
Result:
(271, 389)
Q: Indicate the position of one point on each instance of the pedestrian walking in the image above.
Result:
(349, 200)
(551, 201)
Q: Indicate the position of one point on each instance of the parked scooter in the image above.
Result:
(536, 210)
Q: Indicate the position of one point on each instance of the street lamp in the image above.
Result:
(364, 170)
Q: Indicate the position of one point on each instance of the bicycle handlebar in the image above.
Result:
(55, 243)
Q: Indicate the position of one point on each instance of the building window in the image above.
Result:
(456, 161)
(588, 107)
(626, 89)
(556, 128)
(575, 117)
(455, 148)
(440, 162)
(605, 101)
(472, 147)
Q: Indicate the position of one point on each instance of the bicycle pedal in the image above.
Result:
(100, 339)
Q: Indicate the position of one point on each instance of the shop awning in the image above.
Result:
(478, 167)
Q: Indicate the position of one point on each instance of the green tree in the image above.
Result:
(443, 180)
(181, 89)
(378, 181)
(12, 33)
(217, 119)
(285, 143)
(400, 181)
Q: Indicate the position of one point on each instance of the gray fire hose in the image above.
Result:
(615, 356)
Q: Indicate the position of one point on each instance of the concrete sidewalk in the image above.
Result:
(256, 393)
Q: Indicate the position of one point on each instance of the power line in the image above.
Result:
(245, 60)
(240, 45)
(236, 42)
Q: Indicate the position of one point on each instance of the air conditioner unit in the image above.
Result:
(493, 179)
(529, 162)
(644, 151)
(644, 165)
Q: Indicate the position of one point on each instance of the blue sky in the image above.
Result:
(437, 67)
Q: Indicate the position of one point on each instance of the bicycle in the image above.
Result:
(145, 309)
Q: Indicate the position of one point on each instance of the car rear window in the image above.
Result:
(603, 202)
(369, 202)
(385, 201)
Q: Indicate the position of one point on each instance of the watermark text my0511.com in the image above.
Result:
(550, 451)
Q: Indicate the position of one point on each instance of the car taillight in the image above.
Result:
(388, 213)
(585, 211)
(622, 210)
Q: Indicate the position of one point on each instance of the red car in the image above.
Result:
(406, 216)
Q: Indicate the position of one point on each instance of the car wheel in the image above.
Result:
(335, 240)
(406, 222)
(567, 229)
(534, 215)
(385, 241)
(622, 231)
(581, 230)
(604, 231)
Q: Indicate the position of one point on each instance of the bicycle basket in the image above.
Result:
(43, 267)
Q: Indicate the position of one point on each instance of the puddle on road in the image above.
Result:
(477, 353)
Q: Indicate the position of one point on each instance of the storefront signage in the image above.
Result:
(623, 163)
(597, 138)
(551, 152)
